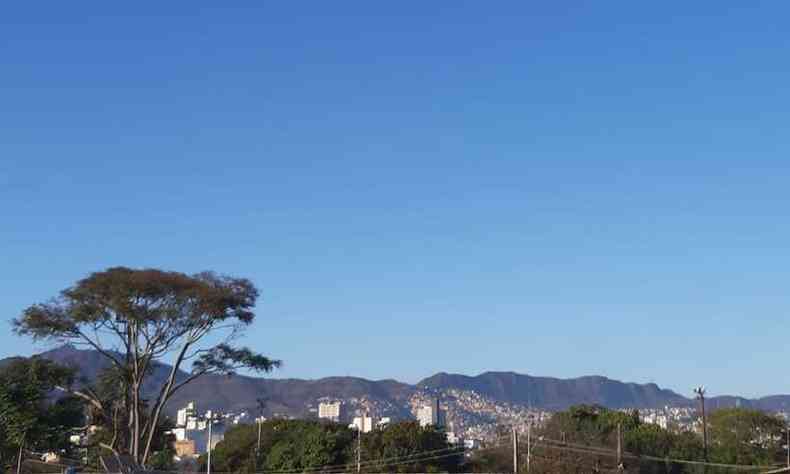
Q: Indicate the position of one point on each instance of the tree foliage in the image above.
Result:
(584, 438)
(135, 318)
(296, 445)
(285, 445)
(409, 439)
(744, 436)
(29, 419)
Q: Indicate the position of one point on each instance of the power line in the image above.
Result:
(365, 463)
(385, 462)
(559, 445)
(575, 463)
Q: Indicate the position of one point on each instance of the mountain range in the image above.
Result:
(495, 390)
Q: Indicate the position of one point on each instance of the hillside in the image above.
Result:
(506, 390)
(555, 394)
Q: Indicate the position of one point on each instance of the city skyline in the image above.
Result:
(548, 189)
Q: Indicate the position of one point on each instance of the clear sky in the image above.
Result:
(554, 188)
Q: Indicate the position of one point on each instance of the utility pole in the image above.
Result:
(788, 446)
(515, 450)
(561, 454)
(529, 442)
(258, 445)
(208, 445)
(700, 391)
(258, 448)
(261, 405)
(620, 466)
(359, 447)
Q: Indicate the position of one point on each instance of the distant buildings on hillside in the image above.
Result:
(429, 413)
(670, 418)
(332, 411)
(366, 423)
(192, 434)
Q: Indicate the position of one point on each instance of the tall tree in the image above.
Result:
(137, 318)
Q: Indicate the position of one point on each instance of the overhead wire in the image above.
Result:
(574, 447)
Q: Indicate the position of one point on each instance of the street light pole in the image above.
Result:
(529, 442)
(700, 391)
(258, 449)
(359, 446)
(515, 450)
(208, 445)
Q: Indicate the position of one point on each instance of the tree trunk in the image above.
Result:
(164, 395)
(19, 458)
(136, 421)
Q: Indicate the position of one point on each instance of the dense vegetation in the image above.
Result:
(29, 420)
(296, 445)
(35, 417)
(584, 439)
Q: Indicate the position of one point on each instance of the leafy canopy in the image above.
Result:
(135, 318)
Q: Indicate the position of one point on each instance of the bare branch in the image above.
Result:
(85, 396)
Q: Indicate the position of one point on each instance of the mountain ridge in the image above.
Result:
(299, 397)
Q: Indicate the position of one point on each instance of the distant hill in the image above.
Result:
(297, 397)
(240, 393)
(557, 394)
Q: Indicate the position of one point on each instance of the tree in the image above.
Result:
(285, 445)
(136, 318)
(309, 445)
(27, 417)
(236, 451)
(406, 440)
(591, 432)
(744, 436)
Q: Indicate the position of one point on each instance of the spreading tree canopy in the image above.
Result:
(138, 318)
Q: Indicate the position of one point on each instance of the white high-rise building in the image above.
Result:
(428, 414)
(363, 423)
(183, 415)
(190, 426)
(330, 410)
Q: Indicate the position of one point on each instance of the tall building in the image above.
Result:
(184, 414)
(363, 423)
(193, 428)
(429, 413)
(330, 410)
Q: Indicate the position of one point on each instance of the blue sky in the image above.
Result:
(554, 188)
